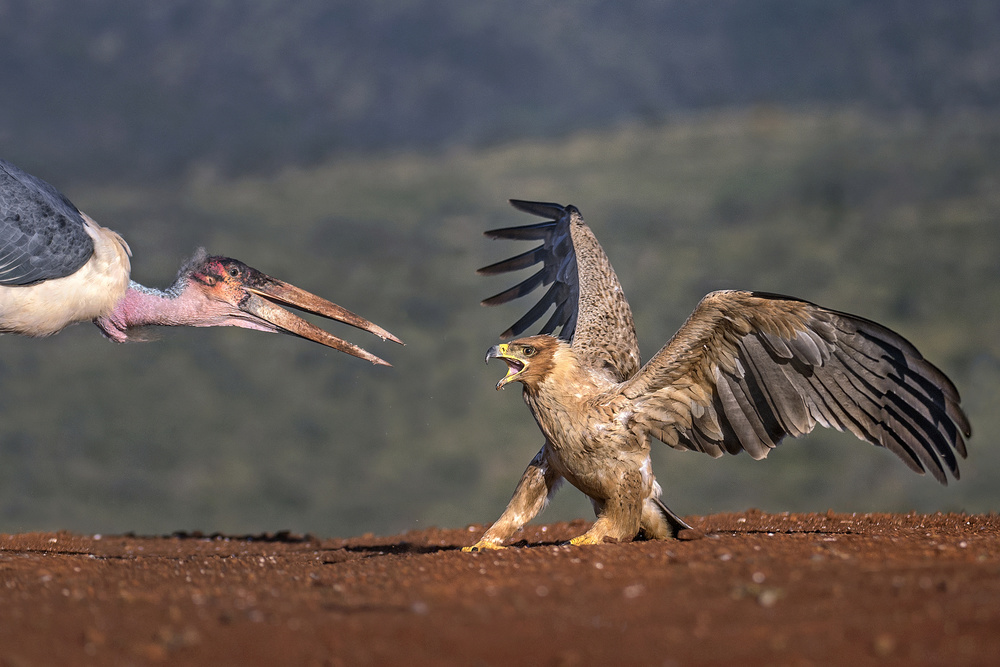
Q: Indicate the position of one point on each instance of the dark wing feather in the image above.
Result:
(42, 234)
(558, 260)
(747, 369)
(590, 310)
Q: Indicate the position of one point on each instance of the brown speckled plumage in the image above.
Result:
(745, 370)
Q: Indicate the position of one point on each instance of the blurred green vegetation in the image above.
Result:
(127, 89)
(893, 216)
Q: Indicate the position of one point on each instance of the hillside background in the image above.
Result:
(845, 153)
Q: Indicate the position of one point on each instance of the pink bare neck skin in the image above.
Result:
(182, 304)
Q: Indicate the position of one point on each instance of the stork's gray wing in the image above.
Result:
(748, 368)
(42, 234)
(590, 307)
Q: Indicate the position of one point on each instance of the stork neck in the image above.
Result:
(146, 306)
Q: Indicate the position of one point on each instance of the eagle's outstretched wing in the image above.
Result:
(590, 307)
(748, 368)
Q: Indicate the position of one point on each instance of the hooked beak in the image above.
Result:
(514, 366)
(261, 290)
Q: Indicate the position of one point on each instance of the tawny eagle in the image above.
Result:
(744, 371)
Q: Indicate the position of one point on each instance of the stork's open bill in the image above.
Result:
(744, 371)
(58, 267)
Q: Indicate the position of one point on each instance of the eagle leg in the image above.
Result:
(619, 517)
(537, 483)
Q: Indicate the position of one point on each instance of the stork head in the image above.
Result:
(220, 291)
(252, 297)
(529, 360)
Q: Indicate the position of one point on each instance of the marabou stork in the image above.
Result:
(58, 267)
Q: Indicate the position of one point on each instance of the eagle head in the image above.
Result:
(529, 360)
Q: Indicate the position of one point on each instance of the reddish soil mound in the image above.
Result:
(758, 589)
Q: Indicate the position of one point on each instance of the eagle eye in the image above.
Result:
(528, 351)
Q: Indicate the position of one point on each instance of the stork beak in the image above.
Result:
(514, 366)
(262, 289)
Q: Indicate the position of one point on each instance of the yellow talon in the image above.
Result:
(482, 545)
(584, 539)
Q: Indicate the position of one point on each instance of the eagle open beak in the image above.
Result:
(514, 365)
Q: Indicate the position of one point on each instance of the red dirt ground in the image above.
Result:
(757, 589)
